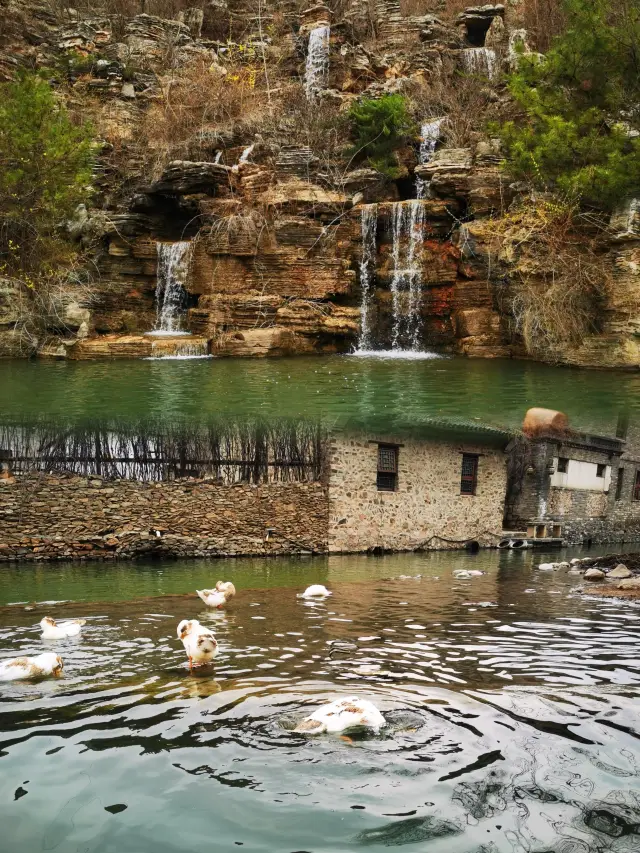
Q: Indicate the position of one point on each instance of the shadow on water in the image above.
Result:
(511, 706)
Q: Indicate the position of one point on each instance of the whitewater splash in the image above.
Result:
(171, 295)
(316, 73)
(429, 136)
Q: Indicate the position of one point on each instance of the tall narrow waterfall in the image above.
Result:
(480, 60)
(317, 69)
(429, 136)
(406, 282)
(369, 227)
(171, 296)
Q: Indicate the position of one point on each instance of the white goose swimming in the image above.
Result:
(52, 630)
(342, 715)
(15, 669)
(199, 642)
(316, 590)
(218, 597)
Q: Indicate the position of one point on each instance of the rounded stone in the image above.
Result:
(620, 571)
(594, 575)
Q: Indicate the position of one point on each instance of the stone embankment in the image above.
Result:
(66, 517)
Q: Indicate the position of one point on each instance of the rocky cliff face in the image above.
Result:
(281, 261)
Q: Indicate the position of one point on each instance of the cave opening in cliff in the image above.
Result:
(406, 188)
(477, 31)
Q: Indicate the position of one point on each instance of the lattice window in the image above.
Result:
(387, 474)
(469, 478)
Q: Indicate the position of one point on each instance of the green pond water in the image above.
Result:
(511, 704)
(370, 391)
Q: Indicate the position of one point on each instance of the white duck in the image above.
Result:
(465, 574)
(199, 642)
(48, 663)
(218, 597)
(52, 630)
(342, 715)
(316, 590)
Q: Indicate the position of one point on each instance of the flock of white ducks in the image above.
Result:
(201, 647)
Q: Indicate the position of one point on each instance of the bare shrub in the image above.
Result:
(544, 20)
(443, 8)
(467, 101)
(558, 279)
(201, 99)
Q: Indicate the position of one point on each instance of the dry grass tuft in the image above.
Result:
(558, 279)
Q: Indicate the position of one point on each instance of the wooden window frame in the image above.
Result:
(635, 494)
(387, 468)
(601, 466)
(469, 480)
(564, 468)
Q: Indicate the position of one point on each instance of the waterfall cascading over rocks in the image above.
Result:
(369, 227)
(480, 60)
(185, 348)
(429, 136)
(406, 282)
(171, 294)
(316, 73)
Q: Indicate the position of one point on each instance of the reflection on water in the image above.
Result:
(511, 701)
(374, 392)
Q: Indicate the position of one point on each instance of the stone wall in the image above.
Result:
(427, 509)
(585, 515)
(45, 517)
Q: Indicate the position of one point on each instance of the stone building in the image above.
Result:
(443, 489)
(577, 487)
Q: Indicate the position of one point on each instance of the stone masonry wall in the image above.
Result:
(427, 504)
(45, 517)
(584, 515)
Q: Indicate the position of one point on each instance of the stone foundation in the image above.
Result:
(65, 517)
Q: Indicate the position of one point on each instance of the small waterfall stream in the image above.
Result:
(480, 60)
(429, 136)
(407, 225)
(369, 226)
(171, 296)
(317, 68)
(406, 281)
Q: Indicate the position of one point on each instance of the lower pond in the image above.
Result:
(512, 705)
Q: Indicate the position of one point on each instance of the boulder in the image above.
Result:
(594, 575)
(620, 571)
(630, 583)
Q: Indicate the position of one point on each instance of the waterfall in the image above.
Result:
(369, 227)
(317, 68)
(634, 206)
(429, 136)
(171, 296)
(185, 348)
(480, 60)
(248, 151)
(406, 282)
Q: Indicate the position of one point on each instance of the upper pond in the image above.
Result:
(370, 391)
(511, 702)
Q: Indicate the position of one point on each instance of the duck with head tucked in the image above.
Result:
(199, 642)
(218, 597)
(342, 715)
(52, 630)
(41, 666)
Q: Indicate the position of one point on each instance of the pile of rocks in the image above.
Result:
(620, 577)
